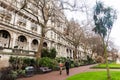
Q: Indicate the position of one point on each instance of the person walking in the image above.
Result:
(60, 66)
(67, 66)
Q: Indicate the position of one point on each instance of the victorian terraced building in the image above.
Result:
(19, 32)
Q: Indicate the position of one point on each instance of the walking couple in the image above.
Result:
(67, 66)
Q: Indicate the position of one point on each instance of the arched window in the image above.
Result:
(45, 44)
(22, 38)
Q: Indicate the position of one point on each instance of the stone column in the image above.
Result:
(29, 44)
(13, 40)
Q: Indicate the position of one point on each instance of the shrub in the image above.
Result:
(47, 62)
(76, 63)
(21, 73)
(13, 74)
(51, 53)
(5, 74)
(89, 60)
(72, 65)
(28, 61)
(61, 59)
(21, 62)
(100, 59)
(45, 52)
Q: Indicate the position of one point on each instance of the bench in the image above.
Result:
(29, 70)
(45, 69)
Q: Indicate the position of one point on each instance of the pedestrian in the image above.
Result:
(60, 66)
(67, 66)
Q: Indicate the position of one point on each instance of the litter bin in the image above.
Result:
(29, 70)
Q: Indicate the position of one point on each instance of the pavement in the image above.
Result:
(54, 75)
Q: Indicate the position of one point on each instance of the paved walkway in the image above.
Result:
(54, 75)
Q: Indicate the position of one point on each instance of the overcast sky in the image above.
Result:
(115, 4)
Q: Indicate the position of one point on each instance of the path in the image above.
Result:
(56, 76)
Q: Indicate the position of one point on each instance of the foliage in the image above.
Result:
(72, 65)
(45, 52)
(103, 19)
(13, 74)
(87, 61)
(21, 62)
(61, 59)
(90, 60)
(28, 61)
(6, 74)
(10, 74)
(51, 53)
(100, 59)
(76, 64)
(98, 75)
(21, 73)
(47, 62)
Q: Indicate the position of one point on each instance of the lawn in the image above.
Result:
(111, 66)
(99, 75)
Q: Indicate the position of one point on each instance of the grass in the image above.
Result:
(98, 75)
(111, 66)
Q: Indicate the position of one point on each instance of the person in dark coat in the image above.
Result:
(67, 66)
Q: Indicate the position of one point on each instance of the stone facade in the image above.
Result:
(18, 30)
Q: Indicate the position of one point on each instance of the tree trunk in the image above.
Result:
(38, 54)
(106, 60)
(75, 53)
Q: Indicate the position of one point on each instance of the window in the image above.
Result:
(33, 27)
(5, 35)
(51, 34)
(21, 22)
(5, 15)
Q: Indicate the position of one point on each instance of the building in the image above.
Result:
(20, 34)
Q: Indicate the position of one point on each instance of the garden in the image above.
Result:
(26, 67)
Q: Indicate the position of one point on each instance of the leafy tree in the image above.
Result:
(104, 18)
(51, 53)
(45, 52)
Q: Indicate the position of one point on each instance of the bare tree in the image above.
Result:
(112, 50)
(48, 14)
(74, 35)
(95, 47)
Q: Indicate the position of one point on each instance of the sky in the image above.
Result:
(115, 4)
